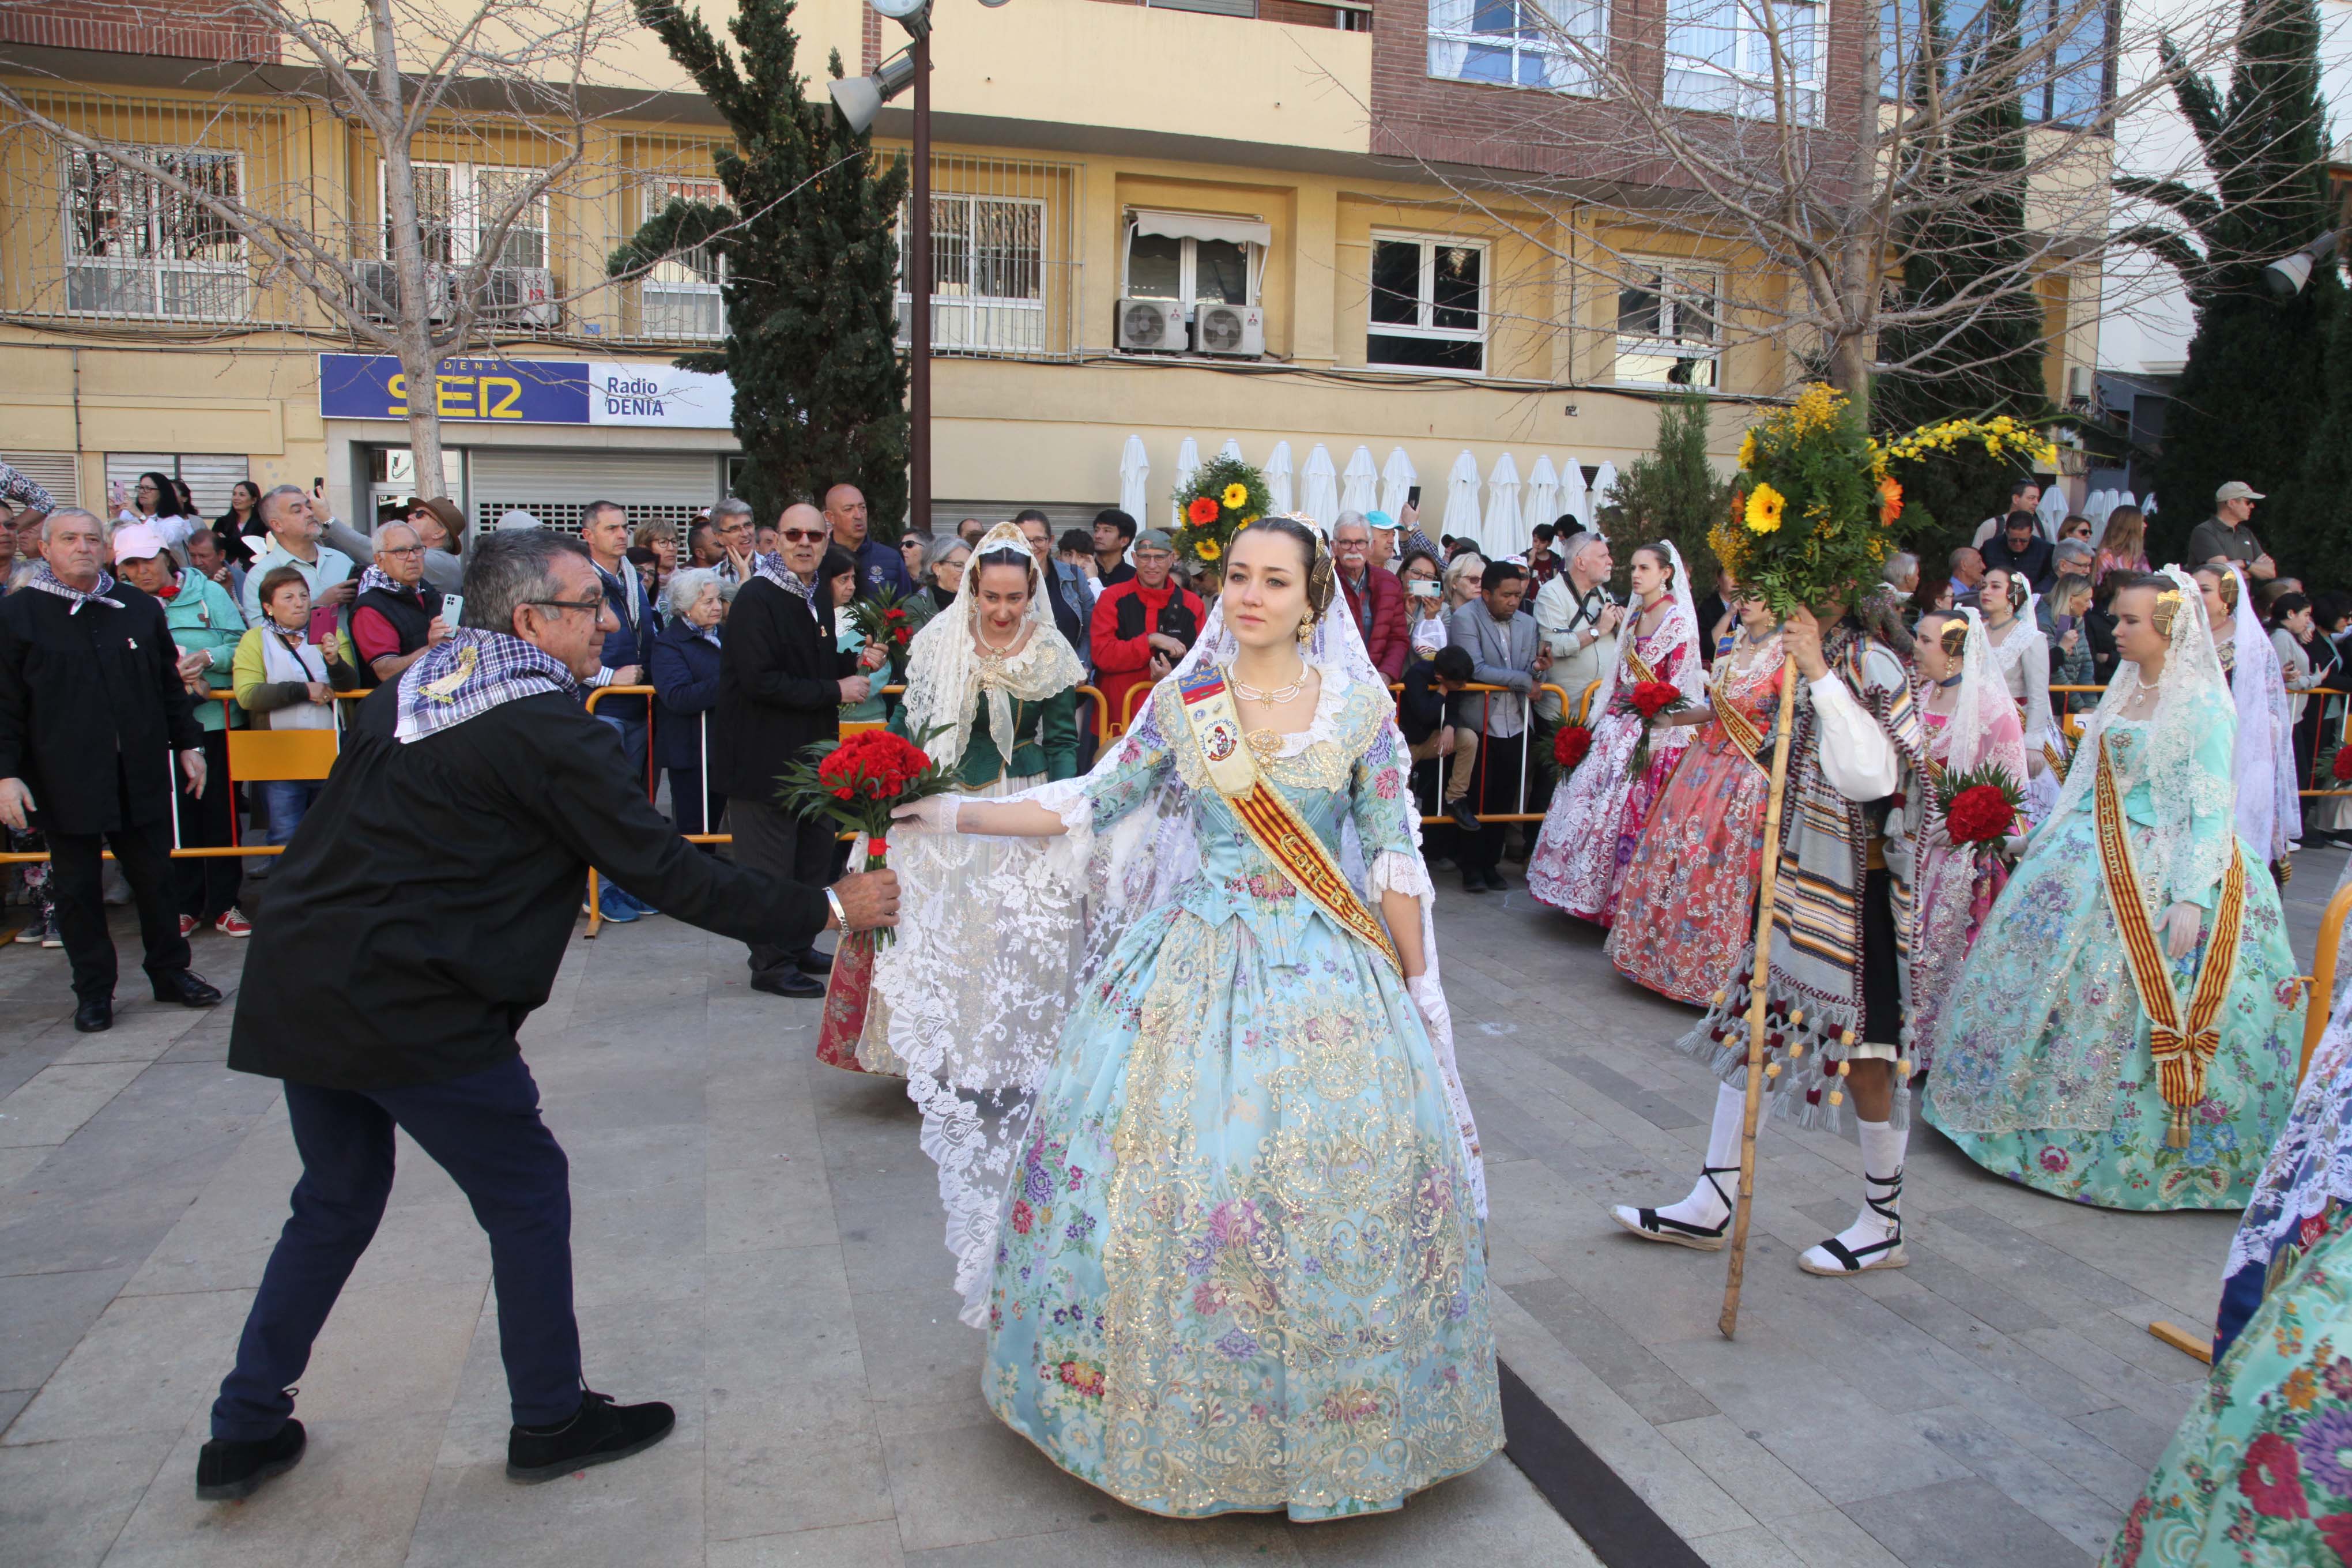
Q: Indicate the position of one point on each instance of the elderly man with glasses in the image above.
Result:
(396, 617)
(782, 682)
(415, 923)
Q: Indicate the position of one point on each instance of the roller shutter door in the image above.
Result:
(209, 476)
(55, 472)
(555, 486)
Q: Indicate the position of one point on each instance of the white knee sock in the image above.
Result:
(1705, 1206)
(1883, 1145)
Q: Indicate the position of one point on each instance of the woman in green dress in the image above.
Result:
(2261, 1468)
(2126, 1030)
(992, 690)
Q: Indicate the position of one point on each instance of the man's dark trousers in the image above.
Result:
(793, 849)
(143, 850)
(484, 1130)
(1497, 790)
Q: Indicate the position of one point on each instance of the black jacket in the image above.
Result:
(778, 689)
(409, 614)
(419, 914)
(2037, 563)
(1420, 709)
(627, 644)
(91, 709)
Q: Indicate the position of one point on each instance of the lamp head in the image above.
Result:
(861, 98)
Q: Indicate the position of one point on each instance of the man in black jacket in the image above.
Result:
(782, 682)
(416, 921)
(91, 710)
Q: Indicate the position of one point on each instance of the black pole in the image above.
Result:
(919, 348)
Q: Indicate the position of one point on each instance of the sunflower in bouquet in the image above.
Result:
(1224, 496)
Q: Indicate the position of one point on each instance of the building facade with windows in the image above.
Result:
(1221, 220)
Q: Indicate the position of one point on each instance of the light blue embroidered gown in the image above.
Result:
(1240, 1266)
(2046, 1026)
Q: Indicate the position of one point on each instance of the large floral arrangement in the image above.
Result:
(1979, 806)
(1814, 503)
(1226, 494)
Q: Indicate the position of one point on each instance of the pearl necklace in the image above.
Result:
(1275, 695)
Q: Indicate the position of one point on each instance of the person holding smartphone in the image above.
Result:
(286, 678)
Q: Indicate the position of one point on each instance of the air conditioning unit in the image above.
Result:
(1151, 325)
(377, 291)
(2081, 382)
(1229, 329)
(523, 295)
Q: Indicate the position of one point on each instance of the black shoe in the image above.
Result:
(1495, 883)
(187, 988)
(94, 1017)
(598, 1433)
(226, 1471)
(1463, 817)
(814, 962)
(787, 982)
(1474, 882)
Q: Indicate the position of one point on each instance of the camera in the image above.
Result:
(1177, 620)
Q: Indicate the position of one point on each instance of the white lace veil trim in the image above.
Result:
(944, 668)
(979, 1032)
(1983, 699)
(2191, 699)
(1689, 675)
(2041, 721)
(2312, 1161)
(2270, 812)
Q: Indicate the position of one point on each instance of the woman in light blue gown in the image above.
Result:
(2045, 1067)
(1216, 1200)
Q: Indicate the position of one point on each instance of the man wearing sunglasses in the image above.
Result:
(782, 682)
(416, 922)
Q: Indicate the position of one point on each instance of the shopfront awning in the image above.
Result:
(1202, 226)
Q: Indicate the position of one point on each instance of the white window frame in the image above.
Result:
(1530, 45)
(1426, 301)
(675, 284)
(1188, 272)
(987, 312)
(1676, 277)
(227, 293)
(465, 212)
(1700, 33)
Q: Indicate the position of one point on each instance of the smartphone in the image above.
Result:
(1413, 497)
(453, 610)
(318, 486)
(1423, 589)
(323, 626)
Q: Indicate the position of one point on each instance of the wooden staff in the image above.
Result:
(1758, 981)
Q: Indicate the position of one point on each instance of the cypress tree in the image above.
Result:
(1672, 492)
(811, 292)
(2250, 400)
(1967, 242)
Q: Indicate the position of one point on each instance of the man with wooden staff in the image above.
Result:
(1834, 999)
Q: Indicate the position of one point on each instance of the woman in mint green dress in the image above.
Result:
(2046, 1063)
(1214, 1194)
(2261, 1468)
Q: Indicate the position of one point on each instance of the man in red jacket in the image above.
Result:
(1142, 626)
(1376, 597)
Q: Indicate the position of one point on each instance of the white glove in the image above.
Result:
(933, 814)
(1429, 1000)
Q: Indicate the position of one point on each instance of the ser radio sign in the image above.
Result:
(492, 390)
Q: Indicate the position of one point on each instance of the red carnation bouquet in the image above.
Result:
(2342, 769)
(858, 783)
(890, 622)
(1652, 699)
(1981, 806)
(1567, 747)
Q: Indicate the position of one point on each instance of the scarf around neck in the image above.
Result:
(468, 673)
(377, 578)
(773, 567)
(48, 581)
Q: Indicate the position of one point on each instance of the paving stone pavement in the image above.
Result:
(756, 1242)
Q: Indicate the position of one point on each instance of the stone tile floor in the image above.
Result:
(756, 1243)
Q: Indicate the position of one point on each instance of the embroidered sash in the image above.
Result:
(1273, 825)
(2182, 1052)
(1738, 727)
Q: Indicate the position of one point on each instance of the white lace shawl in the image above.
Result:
(2191, 698)
(944, 668)
(2312, 1161)
(2270, 812)
(1983, 701)
(1689, 674)
(979, 1032)
(2023, 660)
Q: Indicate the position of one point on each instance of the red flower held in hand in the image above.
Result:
(874, 763)
(1203, 511)
(1652, 697)
(1978, 815)
(1567, 748)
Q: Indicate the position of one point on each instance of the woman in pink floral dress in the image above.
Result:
(1596, 819)
(1688, 905)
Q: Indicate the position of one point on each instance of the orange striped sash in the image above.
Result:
(2182, 1052)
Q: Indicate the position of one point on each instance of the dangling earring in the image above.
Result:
(1306, 628)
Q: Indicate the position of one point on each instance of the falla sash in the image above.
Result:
(2182, 1050)
(1216, 727)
